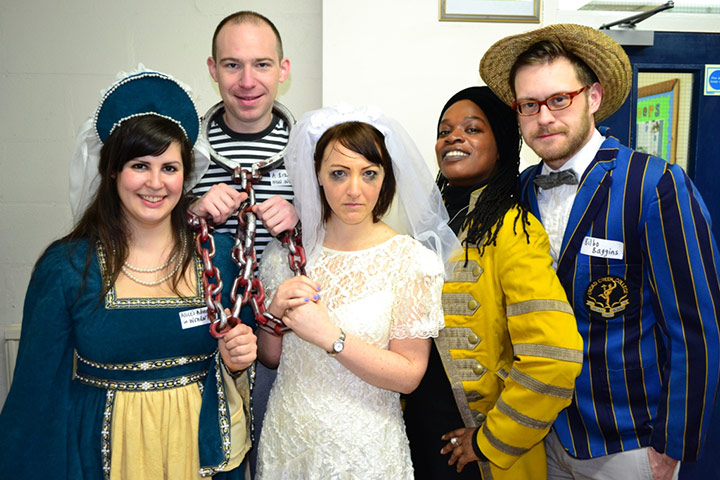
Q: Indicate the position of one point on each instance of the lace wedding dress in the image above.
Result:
(322, 420)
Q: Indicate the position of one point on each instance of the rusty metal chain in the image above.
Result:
(244, 256)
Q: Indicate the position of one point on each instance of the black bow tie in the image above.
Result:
(553, 179)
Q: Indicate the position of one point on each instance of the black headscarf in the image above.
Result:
(503, 120)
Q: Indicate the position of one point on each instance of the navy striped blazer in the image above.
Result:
(647, 307)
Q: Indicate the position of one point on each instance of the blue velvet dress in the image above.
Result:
(81, 356)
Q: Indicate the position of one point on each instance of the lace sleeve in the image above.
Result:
(417, 311)
(274, 269)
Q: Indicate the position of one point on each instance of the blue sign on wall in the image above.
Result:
(712, 80)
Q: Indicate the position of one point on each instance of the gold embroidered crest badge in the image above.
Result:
(607, 296)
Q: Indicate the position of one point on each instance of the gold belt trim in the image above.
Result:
(141, 386)
(145, 365)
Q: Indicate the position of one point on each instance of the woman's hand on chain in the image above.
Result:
(238, 347)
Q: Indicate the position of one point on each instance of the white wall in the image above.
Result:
(398, 56)
(55, 57)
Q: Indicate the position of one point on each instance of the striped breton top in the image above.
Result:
(248, 149)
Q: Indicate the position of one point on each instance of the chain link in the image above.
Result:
(244, 255)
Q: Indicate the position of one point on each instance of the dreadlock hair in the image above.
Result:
(502, 192)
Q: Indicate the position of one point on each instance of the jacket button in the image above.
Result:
(478, 369)
(476, 271)
(472, 338)
(480, 418)
(472, 304)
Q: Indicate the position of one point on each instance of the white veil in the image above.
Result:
(418, 204)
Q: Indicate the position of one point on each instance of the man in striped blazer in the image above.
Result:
(631, 240)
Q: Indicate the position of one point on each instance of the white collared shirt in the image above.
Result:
(555, 203)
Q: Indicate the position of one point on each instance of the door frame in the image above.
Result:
(682, 52)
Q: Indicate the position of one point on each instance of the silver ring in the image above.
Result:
(454, 442)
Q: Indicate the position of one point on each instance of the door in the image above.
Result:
(668, 85)
(668, 113)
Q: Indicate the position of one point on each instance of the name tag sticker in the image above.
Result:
(600, 247)
(194, 318)
(279, 178)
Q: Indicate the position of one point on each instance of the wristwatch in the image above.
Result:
(339, 344)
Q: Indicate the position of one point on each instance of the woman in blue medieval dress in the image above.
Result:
(117, 375)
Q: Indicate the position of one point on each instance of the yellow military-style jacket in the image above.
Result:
(510, 346)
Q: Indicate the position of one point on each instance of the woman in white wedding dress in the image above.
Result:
(363, 316)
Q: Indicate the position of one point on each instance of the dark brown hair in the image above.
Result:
(104, 221)
(247, 16)
(366, 140)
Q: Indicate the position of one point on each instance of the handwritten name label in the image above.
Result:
(194, 318)
(279, 178)
(600, 247)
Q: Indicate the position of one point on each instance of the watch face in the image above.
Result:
(338, 346)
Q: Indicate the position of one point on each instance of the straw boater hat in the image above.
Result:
(600, 52)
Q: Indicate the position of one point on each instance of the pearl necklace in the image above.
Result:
(155, 269)
(127, 267)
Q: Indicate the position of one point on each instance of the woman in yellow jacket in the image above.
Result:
(506, 362)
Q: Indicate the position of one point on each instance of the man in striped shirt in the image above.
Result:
(248, 65)
(631, 239)
(248, 127)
